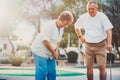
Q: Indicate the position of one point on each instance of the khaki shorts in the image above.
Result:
(97, 50)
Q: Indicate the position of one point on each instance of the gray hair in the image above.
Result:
(92, 2)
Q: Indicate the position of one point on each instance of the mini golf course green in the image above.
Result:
(107, 66)
(31, 72)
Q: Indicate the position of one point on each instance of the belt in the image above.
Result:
(98, 42)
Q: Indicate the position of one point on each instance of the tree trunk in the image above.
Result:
(11, 44)
(116, 42)
(38, 25)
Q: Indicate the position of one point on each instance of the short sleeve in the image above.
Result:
(79, 23)
(46, 32)
(106, 22)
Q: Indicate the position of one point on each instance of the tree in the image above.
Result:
(77, 7)
(37, 10)
(111, 8)
(9, 14)
(34, 10)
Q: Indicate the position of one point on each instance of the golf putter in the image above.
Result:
(110, 64)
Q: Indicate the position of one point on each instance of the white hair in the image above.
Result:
(92, 2)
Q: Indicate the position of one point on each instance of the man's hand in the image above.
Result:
(109, 40)
(55, 54)
(80, 36)
(49, 47)
(82, 39)
(109, 47)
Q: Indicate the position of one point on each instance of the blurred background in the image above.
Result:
(22, 20)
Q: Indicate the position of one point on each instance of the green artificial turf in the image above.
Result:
(31, 72)
(107, 66)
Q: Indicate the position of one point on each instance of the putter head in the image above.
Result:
(110, 57)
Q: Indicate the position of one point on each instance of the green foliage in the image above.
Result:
(70, 3)
(77, 7)
(73, 37)
(64, 40)
(0, 50)
(111, 8)
(15, 60)
(23, 47)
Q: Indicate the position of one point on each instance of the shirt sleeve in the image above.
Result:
(46, 32)
(79, 23)
(106, 22)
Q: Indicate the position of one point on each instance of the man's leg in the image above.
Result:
(51, 65)
(101, 61)
(40, 67)
(90, 72)
(102, 70)
(89, 61)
